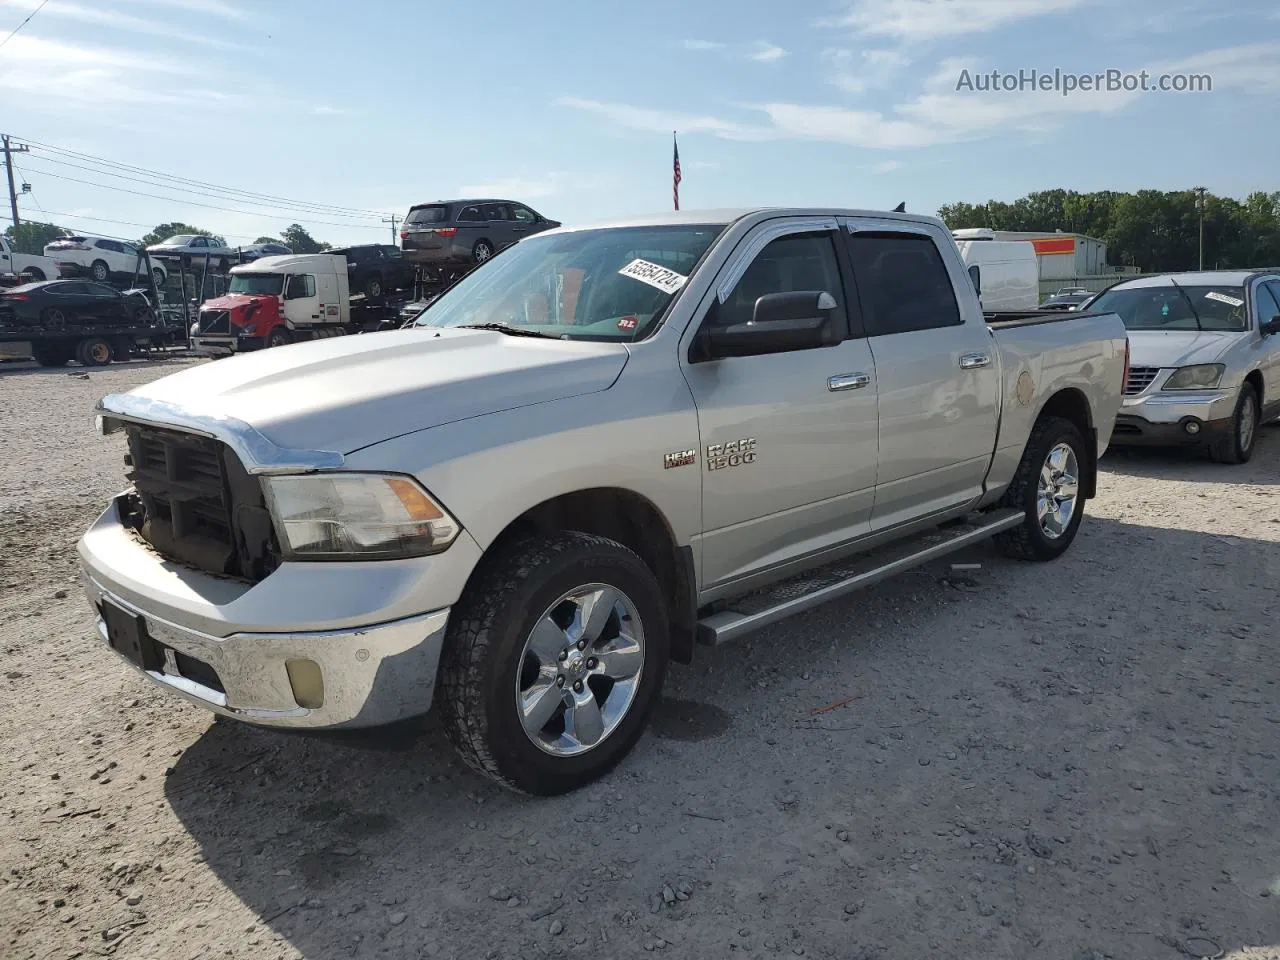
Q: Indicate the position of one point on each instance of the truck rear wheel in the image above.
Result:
(1046, 487)
(94, 352)
(555, 656)
(121, 349)
(50, 354)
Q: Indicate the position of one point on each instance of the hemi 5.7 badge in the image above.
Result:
(732, 454)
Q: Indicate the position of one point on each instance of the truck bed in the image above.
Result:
(1007, 319)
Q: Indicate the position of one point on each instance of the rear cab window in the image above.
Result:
(428, 215)
(902, 282)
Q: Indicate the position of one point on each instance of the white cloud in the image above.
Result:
(924, 19)
(765, 52)
(36, 52)
(939, 114)
(701, 165)
(515, 189)
(887, 167)
(869, 69)
(214, 8)
(703, 45)
(106, 17)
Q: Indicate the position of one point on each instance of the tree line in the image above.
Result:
(32, 236)
(1155, 230)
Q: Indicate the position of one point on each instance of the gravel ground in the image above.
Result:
(1072, 760)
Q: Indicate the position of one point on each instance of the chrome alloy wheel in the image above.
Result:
(1057, 491)
(1248, 422)
(580, 669)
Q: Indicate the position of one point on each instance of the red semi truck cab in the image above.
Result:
(274, 301)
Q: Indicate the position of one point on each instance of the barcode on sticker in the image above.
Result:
(1223, 298)
(668, 281)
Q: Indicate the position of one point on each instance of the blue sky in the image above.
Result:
(569, 105)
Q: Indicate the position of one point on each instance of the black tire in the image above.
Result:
(55, 319)
(1029, 540)
(482, 251)
(158, 276)
(50, 355)
(483, 658)
(279, 337)
(373, 287)
(94, 352)
(99, 271)
(122, 349)
(35, 273)
(1234, 447)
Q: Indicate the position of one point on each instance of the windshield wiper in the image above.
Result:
(1195, 316)
(510, 330)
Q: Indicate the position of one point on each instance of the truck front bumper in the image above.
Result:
(1183, 418)
(226, 346)
(313, 646)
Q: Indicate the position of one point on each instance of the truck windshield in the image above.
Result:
(257, 284)
(607, 284)
(1219, 308)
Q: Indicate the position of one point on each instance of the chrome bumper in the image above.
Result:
(213, 348)
(1171, 407)
(359, 627)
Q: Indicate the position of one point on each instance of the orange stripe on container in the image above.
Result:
(1055, 245)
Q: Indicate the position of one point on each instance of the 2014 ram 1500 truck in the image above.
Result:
(599, 448)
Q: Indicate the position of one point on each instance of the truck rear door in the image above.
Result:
(788, 439)
(936, 368)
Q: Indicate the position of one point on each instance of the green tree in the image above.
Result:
(266, 240)
(32, 236)
(299, 240)
(166, 230)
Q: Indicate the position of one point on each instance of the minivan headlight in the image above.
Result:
(1202, 376)
(355, 516)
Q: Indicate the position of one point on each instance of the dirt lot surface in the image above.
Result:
(1073, 760)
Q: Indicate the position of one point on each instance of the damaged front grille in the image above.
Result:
(194, 503)
(214, 321)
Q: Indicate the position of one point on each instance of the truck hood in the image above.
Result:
(233, 300)
(344, 393)
(1177, 348)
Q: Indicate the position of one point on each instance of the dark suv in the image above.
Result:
(459, 233)
(376, 269)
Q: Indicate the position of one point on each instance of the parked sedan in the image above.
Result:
(1065, 301)
(185, 244)
(259, 250)
(58, 304)
(452, 233)
(376, 269)
(1204, 367)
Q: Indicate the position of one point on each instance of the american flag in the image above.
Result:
(675, 172)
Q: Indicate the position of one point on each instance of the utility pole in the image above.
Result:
(9, 151)
(1199, 191)
(391, 220)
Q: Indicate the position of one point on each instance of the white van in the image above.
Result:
(1005, 273)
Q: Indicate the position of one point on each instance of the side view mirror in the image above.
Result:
(780, 322)
(975, 275)
(1271, 326)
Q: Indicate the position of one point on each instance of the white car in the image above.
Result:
(194, 245)
(100, 258)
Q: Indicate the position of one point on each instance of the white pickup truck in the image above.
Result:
(604, 445)
(26, 264)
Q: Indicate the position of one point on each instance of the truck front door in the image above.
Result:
(936, 364)
(301, 306)
(788, 440)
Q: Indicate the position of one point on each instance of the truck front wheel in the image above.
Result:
(555, 656)
(1047, 487)
(278, 337)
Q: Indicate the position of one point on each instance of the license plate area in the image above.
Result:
(127, 635)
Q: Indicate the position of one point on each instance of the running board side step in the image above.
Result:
(798, 594)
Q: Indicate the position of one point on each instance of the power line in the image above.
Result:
(23, 23)
(194, 203)
(102, 161)
(200, 193)
(124, 223)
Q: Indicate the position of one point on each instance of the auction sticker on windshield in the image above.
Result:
(1224, 298)
(668, 281)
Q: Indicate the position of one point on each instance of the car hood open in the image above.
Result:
(343, 393)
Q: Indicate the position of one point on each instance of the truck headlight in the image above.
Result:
(1202, 376)
(344, 516)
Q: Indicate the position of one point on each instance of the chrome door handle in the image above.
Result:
(971, 361)
(847, 381)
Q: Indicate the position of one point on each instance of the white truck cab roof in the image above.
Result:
(295, 263)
